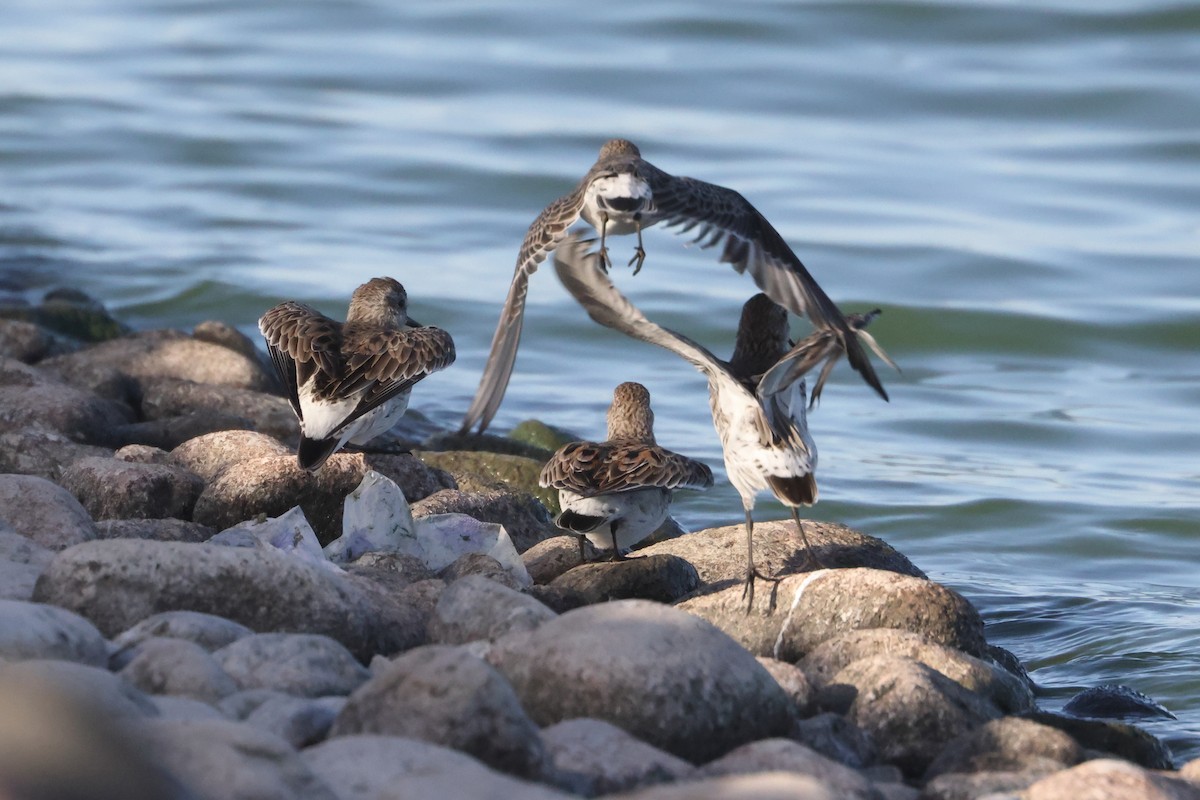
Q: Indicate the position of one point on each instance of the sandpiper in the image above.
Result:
(349, 382)
(757, 399)
(623, 193)
(617, 491)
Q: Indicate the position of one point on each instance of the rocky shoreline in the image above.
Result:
(151, 624)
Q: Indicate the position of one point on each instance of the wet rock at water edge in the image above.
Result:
(661, 578)
(447, 696)
(477, 608)
(44, 512)
(39, 631)
(305, 665)
(113, 489)
(177, 667)
(1113, 700)
(592, 757)
(1108, 736)
(666, 677)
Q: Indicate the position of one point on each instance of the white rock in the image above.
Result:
(290, 533)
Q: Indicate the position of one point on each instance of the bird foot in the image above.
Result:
(748, 589)
(639, 258)
(605, 261)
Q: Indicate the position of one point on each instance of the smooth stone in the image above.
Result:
(1007, 691)
(242, 704)
(834, 736)
(760, 786)
(39, 631)
(551, 557)
(665, 676)
(76, 314)
(180, 707)
(299, 721)
(95, 687)
(483, 470)
(44, 512)
(199, 408)
(32, 398)
(524, 518)
(17, 580)
(142, 454)
(42, 452)
(167, 433)
(300, 664)
(785, 755)
(224, 760)
(22, 561)
(207, 630)
(1009, 744)
(167, 529)
(26, 342)
(592, 757)
(910, 711)
(397, 570)
(366, 767)
(475, 607)
(717, 553)
(447, 696)
(1111, 700)
(1109, 778)
(113, 489)
(178, 667)
(263, 589)
(973, 785)
(479, 565)
(793, 681)
(211, 454)
(662, 578)
(1108, 736)
(818, 606)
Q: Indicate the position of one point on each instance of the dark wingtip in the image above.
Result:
(313, 453)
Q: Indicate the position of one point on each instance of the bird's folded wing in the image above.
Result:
(591, 468)
(386, 364)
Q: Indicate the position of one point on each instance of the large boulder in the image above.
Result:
(112, 489)
(119, 582)
(44, 512)
(667, 677)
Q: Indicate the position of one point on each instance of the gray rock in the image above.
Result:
(38, 631)
(972, 785)
(778, 550)
(264, 589)
(196, 406)
(481, 565)
(305, 665)
(551, 557)
(76, 314)
(1109, 736)
(524, 517)
(112, 489)
(476, 608)
(447, 696)
(25, 341)
(760, 786)
(393, 571)
(167, 433)
(667, 677)
(223, 334)
(1115, 700)
(299, 721)
(94, 687)
(793, 681)
(29, 398)
(22, 550)
(817, 606)
(380, 767)
(211, 454)
(154, 355)
(222, 760)
(241, 705)
(1110, 778)
(592, 757)
(662, 578)
(784, 755)
(911, 711)
(142, 454)
(17, 580)
(209, 631)
(42, 452)
(1009, 744)
(180, 707)
(836, 737)
(44, 512)
(1007, 691)
(481, 470)
(159, 530)
(178, 667)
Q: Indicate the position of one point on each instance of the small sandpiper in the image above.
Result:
(349, 382)
(617, 492)
(623, 193)
(757, 400)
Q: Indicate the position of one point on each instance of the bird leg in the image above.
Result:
(616, 556)
(605, 263)
(582, 550)
(810, 557)
(752, 572)
(639, 255)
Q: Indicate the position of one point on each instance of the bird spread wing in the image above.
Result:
(592, 468)
(383, 364)
(751, 243)
(302, 341)
(542, 237)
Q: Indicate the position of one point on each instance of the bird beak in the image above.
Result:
(412, 323)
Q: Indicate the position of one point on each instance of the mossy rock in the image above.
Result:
(478, 471)
(71, 313)
(539, 434)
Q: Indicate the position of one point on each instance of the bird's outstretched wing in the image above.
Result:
(382, 365)
(302, 341)
(593, 468)
(542, 237)
(751, 244)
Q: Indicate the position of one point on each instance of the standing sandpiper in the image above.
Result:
(617, 491)
(623, 193)
(757, 401)
(349, 382)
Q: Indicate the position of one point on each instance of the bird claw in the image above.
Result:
(605, 261)
(748, 589)
(639, 257)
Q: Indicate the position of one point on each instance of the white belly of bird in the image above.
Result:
(638, 514)
(618, 187)
(748, 462)
(323, 418)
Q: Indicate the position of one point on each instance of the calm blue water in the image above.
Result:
(1015, 184)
